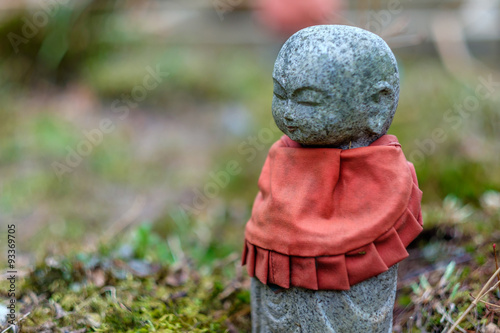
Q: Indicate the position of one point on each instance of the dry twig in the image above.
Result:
(481, 294)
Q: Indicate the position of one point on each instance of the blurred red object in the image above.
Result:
(288, 16)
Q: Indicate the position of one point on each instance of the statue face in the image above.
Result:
(305, 104)
(333, 91)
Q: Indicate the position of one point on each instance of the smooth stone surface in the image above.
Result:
(335, 86)
(367, 307)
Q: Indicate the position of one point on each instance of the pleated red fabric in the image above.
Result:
(326, 218)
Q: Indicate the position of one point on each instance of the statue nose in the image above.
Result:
(288, 115)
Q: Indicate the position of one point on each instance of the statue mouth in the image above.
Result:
(292, 128)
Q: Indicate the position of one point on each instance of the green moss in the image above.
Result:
(145, 298)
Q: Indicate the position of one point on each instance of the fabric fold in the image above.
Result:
(326, 219)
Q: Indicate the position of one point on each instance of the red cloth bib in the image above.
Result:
(327, 218)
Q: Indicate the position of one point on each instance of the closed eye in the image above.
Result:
(309, 96)
(309, 103)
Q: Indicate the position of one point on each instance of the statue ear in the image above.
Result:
(383, 92)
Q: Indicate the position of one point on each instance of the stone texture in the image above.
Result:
(366, 307)
(334, 86)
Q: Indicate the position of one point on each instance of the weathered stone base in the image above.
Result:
(367, 307)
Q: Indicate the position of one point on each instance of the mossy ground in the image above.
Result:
(118, 289)
(108, 246)
(129, 285)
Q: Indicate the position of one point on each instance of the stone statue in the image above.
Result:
(338, 202)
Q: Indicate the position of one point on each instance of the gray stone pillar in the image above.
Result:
(365, 308)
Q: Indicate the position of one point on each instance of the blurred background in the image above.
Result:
(147, 122)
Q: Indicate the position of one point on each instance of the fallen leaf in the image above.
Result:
(98, 277)
(492, 328)
(177, 278)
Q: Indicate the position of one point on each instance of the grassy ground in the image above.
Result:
(144, 282)
(125, 241)
(134, 287)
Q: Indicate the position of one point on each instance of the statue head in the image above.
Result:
(335, 86)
